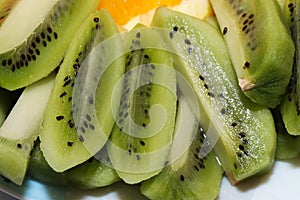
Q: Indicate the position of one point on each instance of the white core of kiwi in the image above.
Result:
(26, 116)
(22, 21)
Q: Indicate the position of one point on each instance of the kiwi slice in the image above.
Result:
(40, 170)
(286, 11)
(141, 138)
(16, 141)
(188, 176)
(30, 51)
(287, 145)
(91, 174)
(241, 132)
(65, 142)
(94, 173)
(290, 105)
(260, 47)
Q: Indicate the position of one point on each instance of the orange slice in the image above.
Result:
(124, 10)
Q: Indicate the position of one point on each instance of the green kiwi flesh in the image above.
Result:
(260, 47)
(65, 143)
(94, 173)
(287, 145)
(95, 101)
(91, 174)
(139, 143)
(16, 142)
(188, 176)
(290, 105)
(40, 170)
(244, 132)
(37, 54)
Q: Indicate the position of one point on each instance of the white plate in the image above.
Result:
(282, 182)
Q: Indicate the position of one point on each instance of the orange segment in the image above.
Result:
(123, 10)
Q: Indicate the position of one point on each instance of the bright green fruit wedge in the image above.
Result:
(141, 138)
(241, 132)
(260, 47)
(79, 117)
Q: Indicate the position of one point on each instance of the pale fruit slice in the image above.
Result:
(21, 128)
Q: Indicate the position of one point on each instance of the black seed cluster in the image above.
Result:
(209, 93)
(30, 50)
(137, 56)
(188, 43)
(173, 32)
(198, 163)
(143, 93)
(291, 7)
(243, 139)
(291, 85)
(248, 27)
(292, 90)
(68, 83)
(246, 22)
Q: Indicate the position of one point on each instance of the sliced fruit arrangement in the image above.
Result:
(97, 106)
(23, 51)
(243, 131)
(260, 47)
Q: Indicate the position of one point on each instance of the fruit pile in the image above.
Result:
(172, 104)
